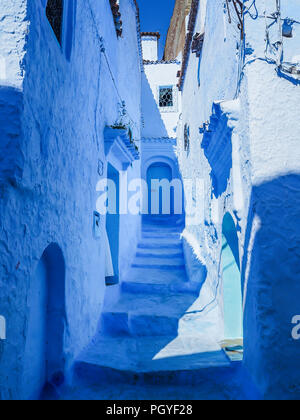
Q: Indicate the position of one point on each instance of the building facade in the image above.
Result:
(238, 133)
(70, 101)
(161, 107)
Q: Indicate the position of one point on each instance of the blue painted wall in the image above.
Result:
(54, 105)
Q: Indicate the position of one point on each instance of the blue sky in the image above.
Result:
(156, 16)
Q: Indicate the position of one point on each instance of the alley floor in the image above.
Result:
(153, 343)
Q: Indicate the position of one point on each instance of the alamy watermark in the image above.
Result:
(296, 329)
(158, 197)
(2, 328)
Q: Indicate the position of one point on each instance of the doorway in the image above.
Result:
(159, 172)
(44, 350)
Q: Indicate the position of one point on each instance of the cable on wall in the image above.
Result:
(275, 49)
(123, 110)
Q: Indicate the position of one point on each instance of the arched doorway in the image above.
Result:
(158, 172)
(232, 288)
(44, 351)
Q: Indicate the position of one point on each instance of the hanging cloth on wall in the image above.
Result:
(109, 268)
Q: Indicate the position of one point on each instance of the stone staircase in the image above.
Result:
(147, 344)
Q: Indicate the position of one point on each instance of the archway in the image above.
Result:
(158, 172)
(232, 288)
(44, 351)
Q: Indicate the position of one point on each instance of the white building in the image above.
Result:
(161, 107)
(239, 132)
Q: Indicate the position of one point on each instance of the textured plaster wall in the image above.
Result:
(13, 31)
(218, 79)
(53, 113)
(271, 258)
(159, 124)
(250, 167)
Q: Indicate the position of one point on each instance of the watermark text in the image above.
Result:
(155, 197)
(296, 329)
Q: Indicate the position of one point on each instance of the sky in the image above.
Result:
(156, 16)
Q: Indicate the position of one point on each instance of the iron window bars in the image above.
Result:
(167, 98)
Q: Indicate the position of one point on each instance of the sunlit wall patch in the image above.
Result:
(2, 328)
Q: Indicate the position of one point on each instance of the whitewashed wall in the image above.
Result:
(250, 166)
(160, 74)
(53, 113)
(159, 125)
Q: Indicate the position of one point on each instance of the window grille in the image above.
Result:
(166, 97)
(54, 13)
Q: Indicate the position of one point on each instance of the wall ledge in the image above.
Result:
(117, 142)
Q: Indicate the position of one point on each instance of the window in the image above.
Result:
(54, 13)
(166, 96)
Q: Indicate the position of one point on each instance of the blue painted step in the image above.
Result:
(160, 243)
(137, 360)
(149, 338)
(161, 235)
(159, 288)
(162, 263)
(146, 314)
(138, 324)
(160, 253)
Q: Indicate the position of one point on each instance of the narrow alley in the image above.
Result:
(149, 200)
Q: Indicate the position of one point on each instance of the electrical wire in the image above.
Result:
(239, 13)
(247, 10)
(103, 51)
(258, 16)
(276, 49)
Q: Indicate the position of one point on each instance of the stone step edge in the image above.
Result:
(92, 372)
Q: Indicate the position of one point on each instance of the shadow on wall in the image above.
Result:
(272, 287)
(230, 233)
(195, 265)
(153, 123)
(11, 158)
(217, 148)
